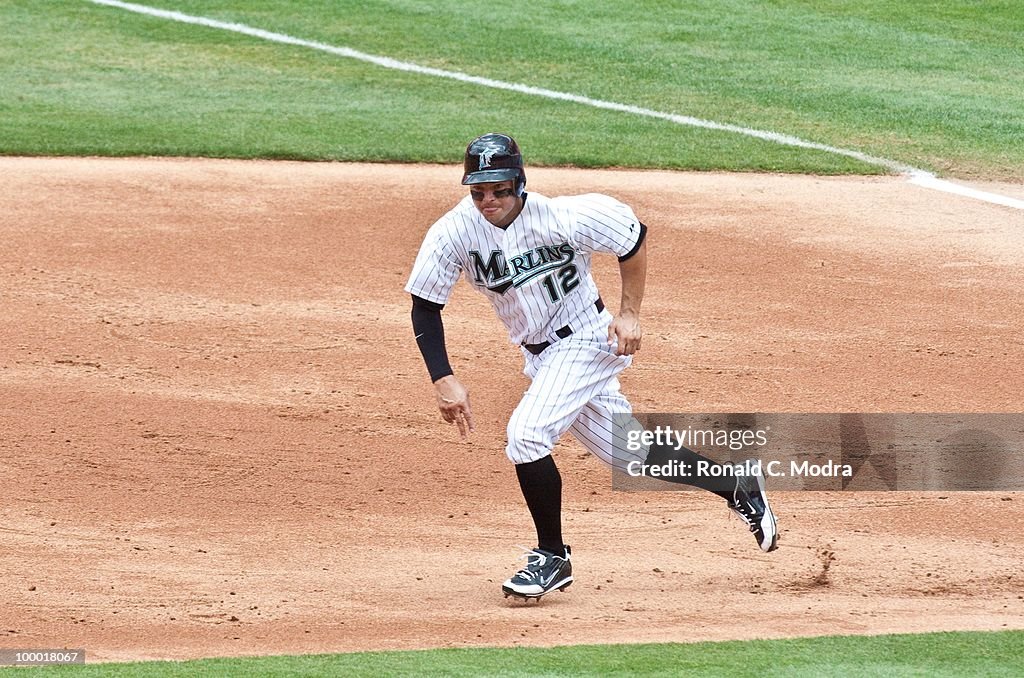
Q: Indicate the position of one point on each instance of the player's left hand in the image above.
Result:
(625, 331)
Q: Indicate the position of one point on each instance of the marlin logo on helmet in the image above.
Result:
(488, 152)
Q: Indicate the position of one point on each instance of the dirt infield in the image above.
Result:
(219, 437)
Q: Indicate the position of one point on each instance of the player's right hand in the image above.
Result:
(453, 401)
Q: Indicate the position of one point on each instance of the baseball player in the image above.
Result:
(530, 255)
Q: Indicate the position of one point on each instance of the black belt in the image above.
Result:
(561, 333)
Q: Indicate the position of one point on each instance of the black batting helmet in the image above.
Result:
(494, 157)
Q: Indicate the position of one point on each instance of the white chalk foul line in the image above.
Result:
(916, 176)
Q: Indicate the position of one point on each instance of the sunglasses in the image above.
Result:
(499, 194)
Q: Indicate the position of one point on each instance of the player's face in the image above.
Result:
(497, 201)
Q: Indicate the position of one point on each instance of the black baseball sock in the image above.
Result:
(541, 484)
(718, 483)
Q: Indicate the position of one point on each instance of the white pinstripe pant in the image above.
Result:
(575, 388)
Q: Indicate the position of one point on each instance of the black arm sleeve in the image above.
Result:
(426, 323)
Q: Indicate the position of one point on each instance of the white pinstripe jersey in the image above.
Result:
(537, 271)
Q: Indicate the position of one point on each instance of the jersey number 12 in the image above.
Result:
(568, 279)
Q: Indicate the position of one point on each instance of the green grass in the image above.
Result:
(934, 84)
(932, 655)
